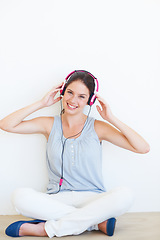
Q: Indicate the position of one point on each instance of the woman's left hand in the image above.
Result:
(105, 112)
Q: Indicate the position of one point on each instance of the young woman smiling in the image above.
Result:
(76, 199)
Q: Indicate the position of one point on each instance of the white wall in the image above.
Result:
(41, 41)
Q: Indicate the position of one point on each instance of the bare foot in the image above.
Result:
(31, 229)
(102, 227)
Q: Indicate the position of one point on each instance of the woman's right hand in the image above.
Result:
(49, 99)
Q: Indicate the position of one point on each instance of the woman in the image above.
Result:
(76, 199)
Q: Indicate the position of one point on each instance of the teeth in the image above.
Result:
(71, 106)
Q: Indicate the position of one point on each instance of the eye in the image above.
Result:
(69, 92)
(82, 97)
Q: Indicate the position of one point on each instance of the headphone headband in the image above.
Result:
(92, 97)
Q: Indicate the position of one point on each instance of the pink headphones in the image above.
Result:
(92, 97)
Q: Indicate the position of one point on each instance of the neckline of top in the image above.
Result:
(73, 139)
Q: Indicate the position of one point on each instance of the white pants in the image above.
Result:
(72, 212)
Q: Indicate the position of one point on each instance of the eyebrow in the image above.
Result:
(78, 94)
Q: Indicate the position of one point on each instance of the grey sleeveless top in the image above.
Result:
(82, 160)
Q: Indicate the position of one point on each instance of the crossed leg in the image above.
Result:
(65, 219)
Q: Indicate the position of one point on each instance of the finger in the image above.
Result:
(57, 99)
(54, 91)
(100, 99)
(102, 103)
(57, 89)
(98, 109)
(59, 86)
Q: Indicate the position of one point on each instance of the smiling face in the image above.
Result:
(75, 97)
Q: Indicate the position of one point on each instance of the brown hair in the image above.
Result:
(85, 78)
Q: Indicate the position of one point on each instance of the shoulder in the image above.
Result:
(102, 128)
(45, 122)
(48, 124)
(45, 125)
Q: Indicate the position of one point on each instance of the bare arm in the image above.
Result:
(121, 134)
(15, 121)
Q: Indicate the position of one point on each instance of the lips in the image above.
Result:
(71, 106)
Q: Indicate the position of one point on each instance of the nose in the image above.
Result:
(73, 98)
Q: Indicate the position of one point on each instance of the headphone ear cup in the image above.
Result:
(63, 90)
(89, 100)
(92, 99)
